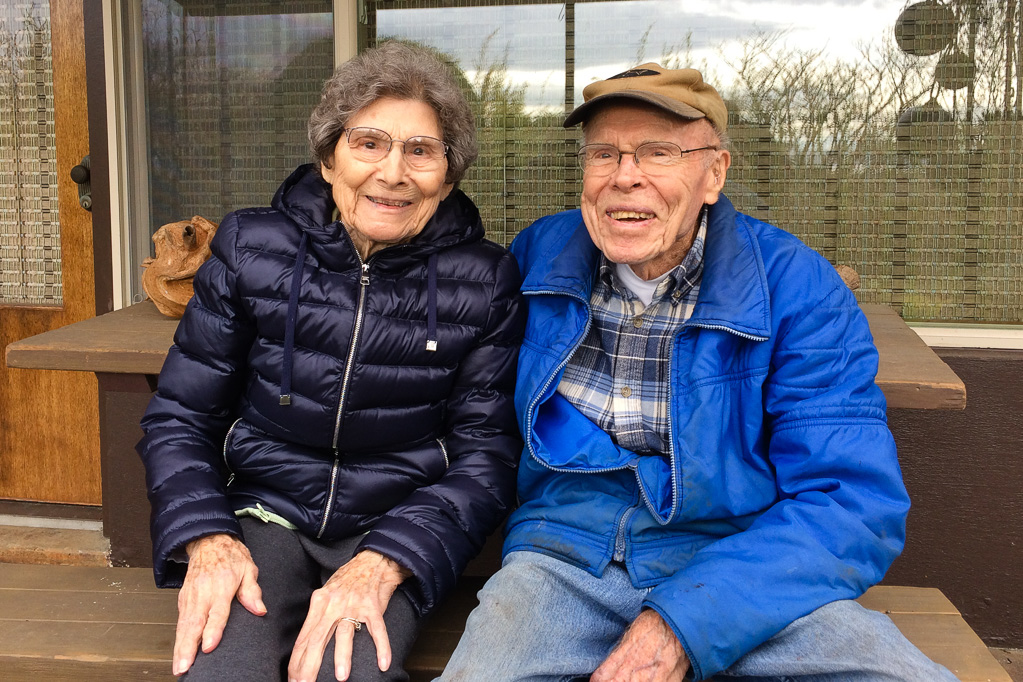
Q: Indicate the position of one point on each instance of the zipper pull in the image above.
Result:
(364, 280)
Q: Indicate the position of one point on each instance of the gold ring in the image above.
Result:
(357, 624)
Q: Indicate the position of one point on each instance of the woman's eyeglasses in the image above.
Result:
(372, 145)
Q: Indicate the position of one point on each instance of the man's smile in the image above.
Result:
(629, 216)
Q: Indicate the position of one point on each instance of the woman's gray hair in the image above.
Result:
(402, 71)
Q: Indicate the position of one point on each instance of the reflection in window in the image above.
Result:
(229, 86)
(887, 134)
(30, 266)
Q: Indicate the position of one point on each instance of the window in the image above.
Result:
(223, 91)
(30, 266)
(887, 134)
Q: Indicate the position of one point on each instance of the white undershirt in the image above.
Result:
(642, 289)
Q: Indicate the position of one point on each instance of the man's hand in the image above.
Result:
(649, 652)
(359, 590)
(219, 569)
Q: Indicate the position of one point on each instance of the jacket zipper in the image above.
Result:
(227, 439)
(550, 380)
(619, 545)
(360, 312)
(723, 328)
(619, 553)
(676, 494)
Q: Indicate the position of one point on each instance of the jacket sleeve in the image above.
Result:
(839, 520)
(189, 415)
(439, 528)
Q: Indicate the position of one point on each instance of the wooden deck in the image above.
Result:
(86, 623)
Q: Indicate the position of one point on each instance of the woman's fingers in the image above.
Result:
(219, 568)
(216, 621)
(378, 631)
(191, 622)
(344, 641)
(360, 591)
(312, 640)
(250, 595)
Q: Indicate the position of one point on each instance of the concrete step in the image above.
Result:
(68, 535)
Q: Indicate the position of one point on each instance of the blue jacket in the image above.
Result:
(301, 380)
(782, 491)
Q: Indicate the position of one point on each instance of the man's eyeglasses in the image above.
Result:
(652, 157)
(372, 145)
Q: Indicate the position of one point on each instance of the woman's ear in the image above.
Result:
(327, 172)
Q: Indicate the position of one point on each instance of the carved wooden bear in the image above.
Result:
(181, 248)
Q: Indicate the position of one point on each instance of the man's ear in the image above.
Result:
(718, 171)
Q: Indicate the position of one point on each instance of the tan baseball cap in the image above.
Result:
(679, 91)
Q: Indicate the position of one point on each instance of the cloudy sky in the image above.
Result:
(610, 35)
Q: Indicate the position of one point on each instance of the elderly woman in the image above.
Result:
(333, 436)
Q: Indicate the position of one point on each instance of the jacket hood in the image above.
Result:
(733, 292)
(305, 197)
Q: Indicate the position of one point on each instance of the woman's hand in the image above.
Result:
(219, 569)
(359, 590)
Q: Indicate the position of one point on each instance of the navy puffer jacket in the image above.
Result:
(346, 397)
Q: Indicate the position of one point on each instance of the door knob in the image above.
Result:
(81, 175)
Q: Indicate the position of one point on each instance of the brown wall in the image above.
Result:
(964, 472)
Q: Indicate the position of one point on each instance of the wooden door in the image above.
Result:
(49, 424)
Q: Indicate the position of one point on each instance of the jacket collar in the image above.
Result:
(733, 291)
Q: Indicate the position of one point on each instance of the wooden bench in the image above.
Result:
(94, 623)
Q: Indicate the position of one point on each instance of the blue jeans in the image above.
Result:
(543, 620)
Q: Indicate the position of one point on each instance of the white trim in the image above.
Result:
(346, 30)
(113, 59)
(47, 522)
(979, 336)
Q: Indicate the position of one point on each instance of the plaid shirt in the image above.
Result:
(618, 377)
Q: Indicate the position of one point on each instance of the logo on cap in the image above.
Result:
(633, 73)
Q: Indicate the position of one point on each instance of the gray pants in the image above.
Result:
(291, 566)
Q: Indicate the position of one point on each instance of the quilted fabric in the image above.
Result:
(376, 433)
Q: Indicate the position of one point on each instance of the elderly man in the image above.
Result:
(708, 478)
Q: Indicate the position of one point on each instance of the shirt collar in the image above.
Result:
(680, 279)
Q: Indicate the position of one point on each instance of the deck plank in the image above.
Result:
(899, 599)
(87, 623)
(949, 640)
(82, 578)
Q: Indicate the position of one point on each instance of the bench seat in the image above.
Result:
(99, 623)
